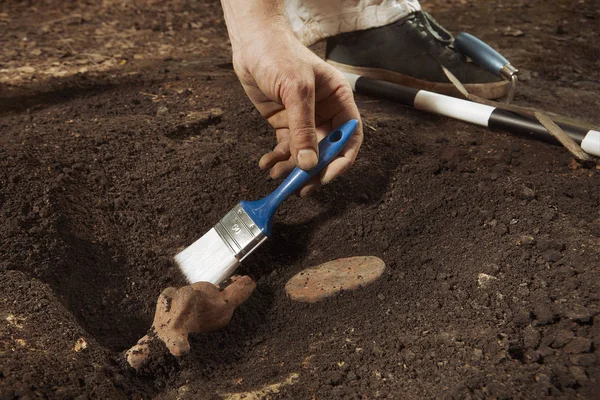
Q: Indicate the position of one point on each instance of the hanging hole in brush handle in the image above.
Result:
(484, 55)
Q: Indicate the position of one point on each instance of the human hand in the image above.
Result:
(196, 308)
(301, 96)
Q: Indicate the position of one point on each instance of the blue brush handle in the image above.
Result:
(480, 52)
(261, 211)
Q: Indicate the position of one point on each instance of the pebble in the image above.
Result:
(325, 280)
(526, 240)
(524, 75)
(162, 110)
(81, 344)
(578, 345)
(484, 280)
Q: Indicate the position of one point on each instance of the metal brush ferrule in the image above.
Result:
(510, 73)
(239, 232)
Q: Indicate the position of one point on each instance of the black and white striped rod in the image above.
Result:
(475, 113)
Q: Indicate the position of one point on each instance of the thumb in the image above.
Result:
(298, 98)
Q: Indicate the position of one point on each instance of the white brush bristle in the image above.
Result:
(208, 259)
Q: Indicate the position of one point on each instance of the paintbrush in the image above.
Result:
(215, 256)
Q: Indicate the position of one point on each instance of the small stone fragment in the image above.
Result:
(578, 345)
(526, 240)
(484, 280)
(162, 110)
(325, 280)
(80, 344)
(513, 32)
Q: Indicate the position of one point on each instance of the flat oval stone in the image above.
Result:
(325, 280)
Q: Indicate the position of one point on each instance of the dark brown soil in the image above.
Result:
(105, 175)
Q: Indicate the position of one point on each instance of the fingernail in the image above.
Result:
(307, 159)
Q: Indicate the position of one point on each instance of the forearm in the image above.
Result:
(246, 19)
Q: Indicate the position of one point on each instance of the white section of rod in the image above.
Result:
(464, 110)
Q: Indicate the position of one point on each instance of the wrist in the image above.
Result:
(251, 20)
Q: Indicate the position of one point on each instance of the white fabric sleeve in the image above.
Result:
(314, 20)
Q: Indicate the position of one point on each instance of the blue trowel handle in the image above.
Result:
(261, 211)
(481, 53)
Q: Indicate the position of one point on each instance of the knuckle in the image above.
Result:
(296, 85)
(303, 87)
(304, 137)
(345, 93)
